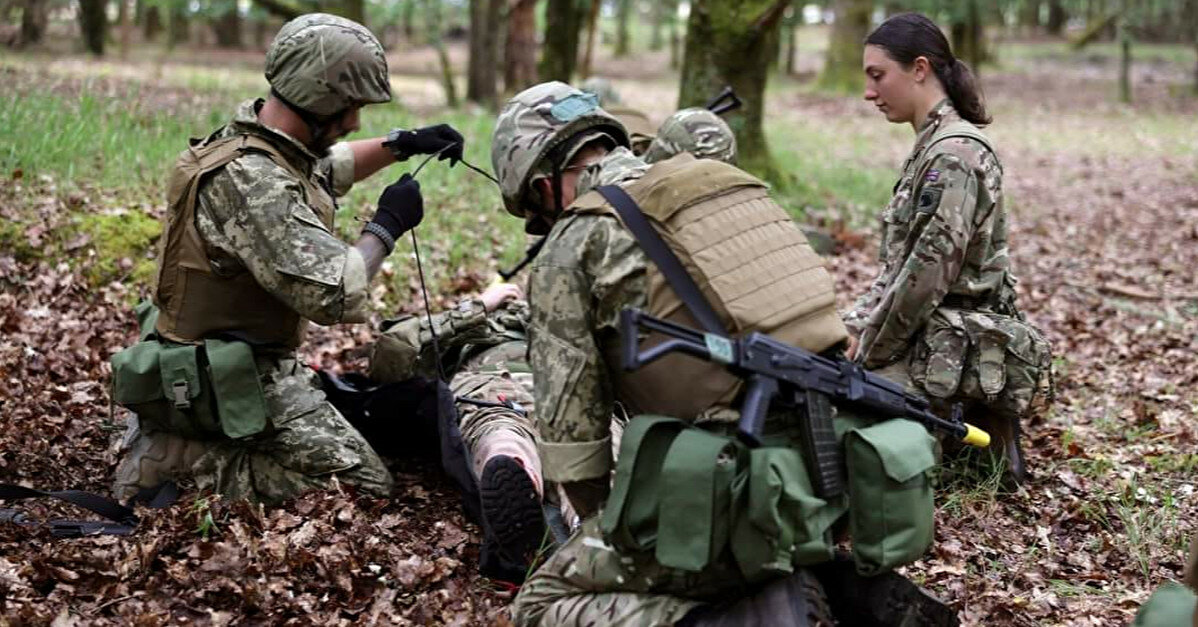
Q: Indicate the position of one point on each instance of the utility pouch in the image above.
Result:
(692, 496)
(197, 392)
(629, 519)
(782, 523)
(890, 498)
(1000, 361)
(162, 384)
(699, 477)
(240, 402)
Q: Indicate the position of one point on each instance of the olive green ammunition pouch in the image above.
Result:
(204, 390)
(693, 497)
(890, 498)
(1000, 361)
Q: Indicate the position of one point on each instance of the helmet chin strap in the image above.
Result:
(317, 125)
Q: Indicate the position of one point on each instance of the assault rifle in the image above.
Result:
(803, 379)
(724, 102)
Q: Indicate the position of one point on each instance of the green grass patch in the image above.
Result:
(122, 243)
(1104, 52)
(822, 163)
(106, 141)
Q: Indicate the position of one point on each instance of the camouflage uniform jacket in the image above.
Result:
(590, 269)
(467, 336)
(944, 243)
(253, 218)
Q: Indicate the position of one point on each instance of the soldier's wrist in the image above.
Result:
(377, 230)
(393, 144)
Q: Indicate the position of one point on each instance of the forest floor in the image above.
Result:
(1104, 235)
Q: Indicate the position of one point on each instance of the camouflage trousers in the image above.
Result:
(489, 431)
(589, 582)
(308, 444)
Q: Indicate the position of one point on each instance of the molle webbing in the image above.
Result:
(752, 264)
(196, 303)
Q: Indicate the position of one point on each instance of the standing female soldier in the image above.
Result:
(941, 315)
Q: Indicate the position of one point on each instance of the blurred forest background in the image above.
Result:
(1095, 105)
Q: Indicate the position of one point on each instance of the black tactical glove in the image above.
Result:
(426, 141)
(401, 208)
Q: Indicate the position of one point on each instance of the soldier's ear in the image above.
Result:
(921, 68)
(543, 191)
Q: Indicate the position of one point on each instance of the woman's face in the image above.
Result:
(891, 88)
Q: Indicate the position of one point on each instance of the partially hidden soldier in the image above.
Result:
(483, 344)
(694, 546)
(640, 130)
(941, 316)
(697, 131)
(248, 257)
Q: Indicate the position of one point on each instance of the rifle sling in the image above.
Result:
(665, 259)
(121, 519)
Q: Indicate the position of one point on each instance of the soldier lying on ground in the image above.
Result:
(482, 344)
(248, 258)
(553, 147)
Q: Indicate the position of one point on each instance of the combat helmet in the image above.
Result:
(697, 131)
(537, 133)
(323, 64)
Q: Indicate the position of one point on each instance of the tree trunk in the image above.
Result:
(588, 52)
(1029, 16)
(93, 25)
(842, 68)
(562, 23)
(226, 26)
(731, 42)
(125, 19)
(1056, 18)
(623, 14)
(967, 36)
(520, 46)
(484, 39)
(432, 16)
(1124, 62)
(179, 31)
(409, 18)
(354, 10)
(791, 35)
(34, 16)
(151, 24)
(278, 8)
(675, 47)
(656, 41)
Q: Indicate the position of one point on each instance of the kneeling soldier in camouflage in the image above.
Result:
(677, 553)
(248, 258)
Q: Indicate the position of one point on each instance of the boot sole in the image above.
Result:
(511, 509)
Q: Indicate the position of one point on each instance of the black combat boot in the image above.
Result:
(796, 600)
(886, 600)
(513, 520)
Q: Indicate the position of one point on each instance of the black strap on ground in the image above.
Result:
(684, 285)
(121, 519)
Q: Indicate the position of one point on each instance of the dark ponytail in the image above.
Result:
(908, 36)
